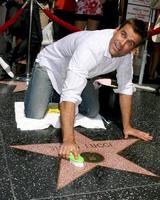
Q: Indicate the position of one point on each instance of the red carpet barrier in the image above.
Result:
(60, 21)
(154, 32)
(12, 20)
(57, 20)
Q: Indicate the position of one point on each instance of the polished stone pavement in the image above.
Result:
(117, 169)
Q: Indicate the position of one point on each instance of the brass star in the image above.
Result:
(96, 153)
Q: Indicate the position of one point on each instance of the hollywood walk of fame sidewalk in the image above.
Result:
(115, 169)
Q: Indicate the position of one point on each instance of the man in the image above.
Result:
(66, 68)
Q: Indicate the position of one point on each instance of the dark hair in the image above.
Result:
(138, 26)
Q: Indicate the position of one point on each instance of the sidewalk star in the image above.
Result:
(98, 153)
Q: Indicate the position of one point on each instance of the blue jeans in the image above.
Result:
(40, 93)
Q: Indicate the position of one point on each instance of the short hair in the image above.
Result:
(138, 26)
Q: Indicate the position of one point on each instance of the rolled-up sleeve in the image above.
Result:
(73, 87)
(125, 76)
(77, 73)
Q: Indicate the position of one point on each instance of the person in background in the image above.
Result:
(114, 13)
(65, 10)
(20, 31)
(3, 46)
(67, 67)
(11, 7)
(89, 14)
(155, 54)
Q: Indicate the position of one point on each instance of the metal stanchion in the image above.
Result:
(26, 78)
(29, 42)
(145, 50)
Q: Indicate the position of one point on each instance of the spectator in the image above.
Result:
(155, 54)
(20, 30)
(114, 13)
(89, 14)
(65, 10)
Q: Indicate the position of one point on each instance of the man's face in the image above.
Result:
(123, 41)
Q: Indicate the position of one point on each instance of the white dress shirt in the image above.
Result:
(81, 56)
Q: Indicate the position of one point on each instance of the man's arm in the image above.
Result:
(126, 111)
(67, 117)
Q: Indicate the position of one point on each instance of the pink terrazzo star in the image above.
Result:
(107, 149)
(20, 85)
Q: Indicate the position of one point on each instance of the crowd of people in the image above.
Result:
(154, 63)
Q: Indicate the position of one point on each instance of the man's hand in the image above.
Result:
(67, 116)
(68, 147)
(137, 133)
(126, 110)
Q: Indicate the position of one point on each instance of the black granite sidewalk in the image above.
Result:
(117, 169)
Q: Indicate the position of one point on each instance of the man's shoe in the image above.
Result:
(6, 67)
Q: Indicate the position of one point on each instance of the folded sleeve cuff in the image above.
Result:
(128, 90)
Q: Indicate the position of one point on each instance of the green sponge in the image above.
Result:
(76, 162)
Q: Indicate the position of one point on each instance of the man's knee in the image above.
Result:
(33, 112)
(91, 113)
(33, 115)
